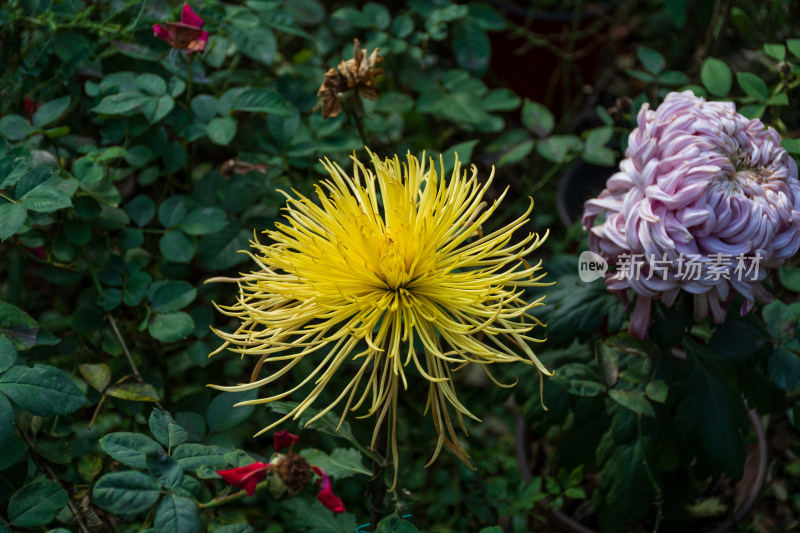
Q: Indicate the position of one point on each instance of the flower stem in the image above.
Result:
(216, 502)
(377, 486)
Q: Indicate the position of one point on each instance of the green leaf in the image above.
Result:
(134, 392)
(737, 338)
(8, 355)
(634, 401)
(164, 469)
(395, 524)
(778, 99)
(129, 449)
(6, 421)
(89, 467)
(193, 456)
(315, 517)
(341, 463)
(607, 363)
(657, 390)
(156, 108)
(716, 76)
(579, 380)
(393, 102)
(261, 101)
(537, 118)
(167, 296)
(151, 84)
(98, 375)
(235, 528)
(794, 47)
(42, 390)
(556, 147)
(753, 111)
(173, 210)
(471, 46)
(77, 231)
(118, 104)
(221, 130)
(15, 127)
(257, 43)
(790, 277)
(204, 107)
(50, 112)
(176, 514)
(176, 246)
(45, 198)
(126, 492)
(711, 417)
(775, 51)
(752, 85)
(784, 368)
(204, 220)
(166, 430)
(625, 491)
(171, 327)
(653, 61)
(780, 320)
(222, 414)
(12, 217)
(36, 504)
(219, 251)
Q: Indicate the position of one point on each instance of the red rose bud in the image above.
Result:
(283, 439)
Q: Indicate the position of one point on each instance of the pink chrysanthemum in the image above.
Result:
(706, 201)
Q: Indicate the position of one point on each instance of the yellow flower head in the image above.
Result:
(386, 275)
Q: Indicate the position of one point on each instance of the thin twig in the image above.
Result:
(52, 476)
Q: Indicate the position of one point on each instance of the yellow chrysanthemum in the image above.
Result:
(387, 273)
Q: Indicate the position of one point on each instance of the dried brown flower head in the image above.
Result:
(357, 73)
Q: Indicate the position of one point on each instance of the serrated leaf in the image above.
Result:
(657, 390)
(129, 449)
(341, 463)
(117, 104)
(12, 217)
(135, 392)
(125, 492)
(193, 456)
(42, 390)
(784, 368)
(97, 375)
(8, 354)
(36, 504)
(50, 112)
(15, 127)
(634, 401)
(260, 101)
(395, 524)
(166, 430)
(222, 414)
(170, 296)
(315, 517)
(6, 421)
(164, 469)
(45, 198)
(171, 327)
(176, 514)
(607, 363)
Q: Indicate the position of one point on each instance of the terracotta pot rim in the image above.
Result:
(744, 510)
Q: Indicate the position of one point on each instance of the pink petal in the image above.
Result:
(245, 477)
(161, 32)
(188, 16)
(330, 501)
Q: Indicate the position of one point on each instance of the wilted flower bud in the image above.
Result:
(354, 74)
(700, 183)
